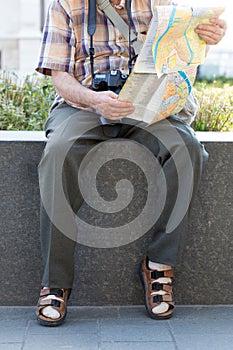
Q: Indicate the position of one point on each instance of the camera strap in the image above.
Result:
(91, 28)
(118, 22)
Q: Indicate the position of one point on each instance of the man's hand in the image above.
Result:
(108, 105)
(105, 103)
(212, 33)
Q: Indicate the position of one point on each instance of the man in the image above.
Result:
(65, 56)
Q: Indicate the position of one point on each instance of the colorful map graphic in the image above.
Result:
(166, 66)
(176, 45)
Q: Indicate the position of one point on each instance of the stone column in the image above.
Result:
(29, 35)
(8, 42)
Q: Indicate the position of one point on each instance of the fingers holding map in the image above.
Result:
(176, 45)
(166, 67)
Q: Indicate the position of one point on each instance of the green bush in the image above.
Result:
(24, 105)
(216, 106)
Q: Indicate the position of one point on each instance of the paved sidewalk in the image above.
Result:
(119, 328)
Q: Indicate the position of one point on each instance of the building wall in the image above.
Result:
(218, 63)
(20, 34)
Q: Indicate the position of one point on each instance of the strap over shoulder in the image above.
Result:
(118, 21)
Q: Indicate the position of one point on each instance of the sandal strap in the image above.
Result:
(52, 291)
(60, 307)
(155, 274)
(50, 302)
(167, 287)
(60, 297)
(162, 298)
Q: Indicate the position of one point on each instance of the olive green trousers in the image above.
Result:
(169, 148)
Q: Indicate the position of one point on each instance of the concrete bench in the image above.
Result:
(109, 276)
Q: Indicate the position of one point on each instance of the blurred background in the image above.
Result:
(21, 24)
(25, 96)
(219, 61)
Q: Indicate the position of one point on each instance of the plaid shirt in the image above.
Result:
(65, 44)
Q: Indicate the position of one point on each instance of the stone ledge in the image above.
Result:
(109, 276)
(203, 136)
(31, 136)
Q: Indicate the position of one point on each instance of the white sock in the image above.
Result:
(161, 308)
(49, 311)
(159, 267)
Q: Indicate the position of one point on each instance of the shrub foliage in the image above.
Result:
(216, 106)
(24, 105)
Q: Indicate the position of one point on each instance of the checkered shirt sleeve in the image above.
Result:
(57, 50)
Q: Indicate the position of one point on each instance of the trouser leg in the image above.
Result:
(172, 142)
(60, 196)
(182, 159)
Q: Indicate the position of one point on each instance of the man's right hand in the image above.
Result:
(107, 104)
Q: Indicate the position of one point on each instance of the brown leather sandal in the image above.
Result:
(155, 292)
(57, 299)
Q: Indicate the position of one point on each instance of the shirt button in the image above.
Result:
(120, 37)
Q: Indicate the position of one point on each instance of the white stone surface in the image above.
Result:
(20, 35)
(203, 136)
(6, 135)
(20, 22)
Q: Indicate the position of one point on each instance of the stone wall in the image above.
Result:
(109, 276)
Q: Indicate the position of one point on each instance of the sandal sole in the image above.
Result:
(51, 323)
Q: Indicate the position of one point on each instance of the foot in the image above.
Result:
(51, 308)
(157, 284)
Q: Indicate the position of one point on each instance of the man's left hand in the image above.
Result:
(213, 32)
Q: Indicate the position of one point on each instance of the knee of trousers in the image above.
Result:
(58, 146)
(56, 153)
(188, 140)
(193, 156)
(176, 136)
(196, 149)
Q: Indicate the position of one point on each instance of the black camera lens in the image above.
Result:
(103, 85)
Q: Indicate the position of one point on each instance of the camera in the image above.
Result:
(112, 80)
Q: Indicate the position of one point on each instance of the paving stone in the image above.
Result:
(136, 346)
(132, 312)
(204, 342)
(203, 327)
(92, 313)
(69, 327)
(12, 335)
(133, 330)
(12, 324)
(13, 346)
(192, 328)
(55, 342)
(17, 313)
(214, 312)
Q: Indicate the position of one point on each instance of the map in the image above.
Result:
(166, 67)
(176, 45)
